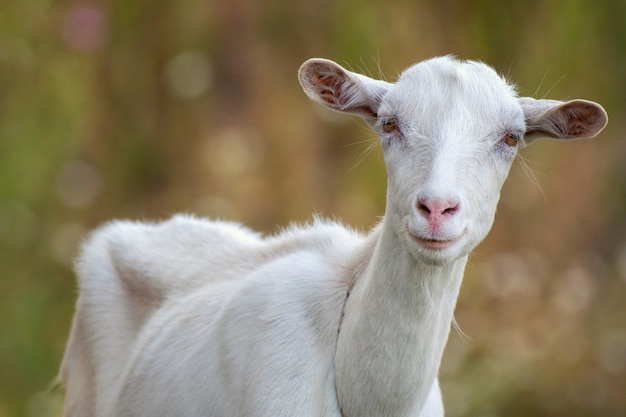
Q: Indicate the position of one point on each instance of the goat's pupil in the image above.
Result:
(389, 126)
(511, 139)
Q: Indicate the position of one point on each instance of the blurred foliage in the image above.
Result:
(140, 109)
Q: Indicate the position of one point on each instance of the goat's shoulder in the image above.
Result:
(320, 236)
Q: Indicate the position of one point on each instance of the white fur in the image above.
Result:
(192, 317)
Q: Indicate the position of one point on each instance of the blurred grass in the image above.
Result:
(141, 109)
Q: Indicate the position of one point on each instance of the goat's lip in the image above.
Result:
(436, 243)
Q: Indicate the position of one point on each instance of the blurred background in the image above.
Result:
(141, 109)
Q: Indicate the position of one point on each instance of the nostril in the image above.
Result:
(423, 207)
(437, 207)
(451, 210)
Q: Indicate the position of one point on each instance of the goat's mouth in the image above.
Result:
(434, 243)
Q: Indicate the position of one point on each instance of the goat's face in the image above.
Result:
(449, 131)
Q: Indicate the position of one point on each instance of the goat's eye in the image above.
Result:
(511, 138)
(389, 125)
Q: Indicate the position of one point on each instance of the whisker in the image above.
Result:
(364, 69)
(553, 85)
(360, 142)
(508, 73)
(381, 74)
(524, 163)
(464, 336)
(363, 155)
(543, 79)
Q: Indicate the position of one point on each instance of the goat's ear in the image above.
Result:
(331, 85)
(562, 120)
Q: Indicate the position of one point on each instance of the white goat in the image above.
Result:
(199, 318)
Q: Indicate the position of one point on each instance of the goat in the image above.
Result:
(192, 317)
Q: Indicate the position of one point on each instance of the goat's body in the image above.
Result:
(196, 318)
(171, 316)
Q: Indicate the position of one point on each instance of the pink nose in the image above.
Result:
(437, 210)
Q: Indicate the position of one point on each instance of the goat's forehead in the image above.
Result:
(447, 82)
(447, 71)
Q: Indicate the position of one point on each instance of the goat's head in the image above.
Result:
(449, 132)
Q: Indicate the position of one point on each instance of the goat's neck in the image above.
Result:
(396, 324)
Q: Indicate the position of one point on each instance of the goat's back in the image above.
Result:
(183, 307)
